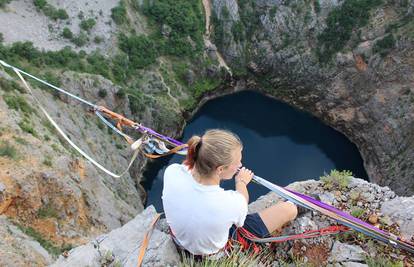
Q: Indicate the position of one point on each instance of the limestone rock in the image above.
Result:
(122, 246)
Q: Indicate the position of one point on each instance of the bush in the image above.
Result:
(140, 49)
(3, 3)
(27, 127)
(336, 179)
(80, 40)
(40, 3)
(185, 19)
(102, 93)
(97, 40)
(47, 211)
(88, 24)
(18, 103)
(7, 150)
(67, 33)
(119, 14)
(39, 238)
(9, 86)
(340, 24)
(384, 46)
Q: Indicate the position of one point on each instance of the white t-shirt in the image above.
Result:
(200, 216)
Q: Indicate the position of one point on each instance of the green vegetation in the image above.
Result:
(382, 262)
(20, 140)
(50, 11)
(7, 150)
(3, 3)
(47, 161)
(336, 179)
(67, 33)
(10, 85)
(119, 14)
(384, 46)
(317, 6)
(18, 103)
(27, 127)
(186, 21)
(357, 212)
(88, 24)
(81, 39)
(47, 211)
(351, 15)
(43, 242)
(102, 93)
(141, 50)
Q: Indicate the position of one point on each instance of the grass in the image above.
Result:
(27, 127)
(8, 150)
(49, 246)
(18, 103)
(47, 211)
(48, 161)
(336, 179)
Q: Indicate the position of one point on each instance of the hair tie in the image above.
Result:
(197, 149)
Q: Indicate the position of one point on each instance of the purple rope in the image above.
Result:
(152, 132)
(339, 212)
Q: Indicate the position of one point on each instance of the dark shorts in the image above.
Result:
(254, 224)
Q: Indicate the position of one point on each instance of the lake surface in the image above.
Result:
(281, 144)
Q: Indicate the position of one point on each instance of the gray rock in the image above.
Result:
(343, 252)
(401, 209)
(122, 245)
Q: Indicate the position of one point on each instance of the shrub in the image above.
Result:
(340, 24)
(337, 179)
(67, 33)
(97, 40)
(357, 212)
(39, 238)
(81, 39)
(88, 24)
(27, 127)
(3, 3)
(10, 86)
(317, 6)
(7, 150)
(119, 14)
(140, 49)
(18, 103)
(384, 46)
(40, 3)
(47, 211)
(1, 38)
(102, 93)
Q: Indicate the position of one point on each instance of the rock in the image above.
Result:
(328, 198)
(353, 264)
(401, 209)
(344, 253)
(2, 187)
(121, 245)
(18, 249)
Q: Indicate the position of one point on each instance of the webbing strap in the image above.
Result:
(172, 151)
(146, 240)
(67, 138)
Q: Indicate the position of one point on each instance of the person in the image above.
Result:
(199, 212)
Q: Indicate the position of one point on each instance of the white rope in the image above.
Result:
(48, 84)
(67, 138)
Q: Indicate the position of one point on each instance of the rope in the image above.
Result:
(62, 133)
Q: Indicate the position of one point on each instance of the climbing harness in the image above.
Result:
(154, 145)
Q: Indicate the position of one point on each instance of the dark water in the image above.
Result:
(281, 144)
